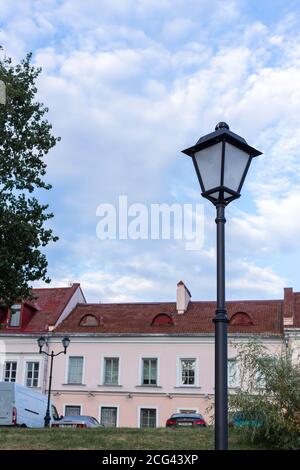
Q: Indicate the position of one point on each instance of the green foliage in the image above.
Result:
(25, 138)
(269, 393)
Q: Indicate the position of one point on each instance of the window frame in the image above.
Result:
(188, 410)
(147, 407)
(260, 377)
(11, 315)
(104, 359)
(141, 381)
(71, 404)
(180, 370)
(32, 361)
(4, 370)
(237, 380)
(82, 372)
(117, 407)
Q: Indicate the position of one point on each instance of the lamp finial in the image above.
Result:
(222, 125)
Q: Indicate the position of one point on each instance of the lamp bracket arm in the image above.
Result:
(52, 353)
(44, 352)
(61, 352)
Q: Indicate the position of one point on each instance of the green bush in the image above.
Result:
(269, 392)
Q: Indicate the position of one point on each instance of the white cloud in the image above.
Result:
(255, 280)
(275, 226)
(178, 29)
(83, 67)
(125, 101)
(99, 287)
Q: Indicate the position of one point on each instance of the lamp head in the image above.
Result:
(65, 342)
(221, 160)
(41, 341)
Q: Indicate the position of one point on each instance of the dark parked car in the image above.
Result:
(77, 422)
(194, 420)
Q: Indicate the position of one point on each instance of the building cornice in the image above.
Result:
(134, 337)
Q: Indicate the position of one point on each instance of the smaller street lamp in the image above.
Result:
(41, 342)
(221, 160)
(65, 342)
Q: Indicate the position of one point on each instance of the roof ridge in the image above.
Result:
(124, 303)
(56, 288)
(87, 304)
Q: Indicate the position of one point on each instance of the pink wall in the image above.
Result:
(129, 396)
(128, 408)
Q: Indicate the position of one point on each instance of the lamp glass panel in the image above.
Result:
(235, 164)
(209, 165)
(215, 195)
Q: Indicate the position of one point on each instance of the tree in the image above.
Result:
(25, 138)
(268, 396)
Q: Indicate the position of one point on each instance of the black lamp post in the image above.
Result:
(41, 341)
(221, 160)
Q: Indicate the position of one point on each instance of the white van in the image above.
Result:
(23, 406)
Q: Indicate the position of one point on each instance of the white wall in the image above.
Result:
(77, 298)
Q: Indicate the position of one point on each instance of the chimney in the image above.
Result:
(183, 297)
(288, 307)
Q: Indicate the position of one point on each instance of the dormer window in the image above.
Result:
(89, 320)
(162, 319)
(241, 319)
(15, 315)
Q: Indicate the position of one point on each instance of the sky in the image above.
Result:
(129, 84)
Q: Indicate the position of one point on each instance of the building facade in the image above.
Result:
(133, 365)
(136, 380)
(21, 326)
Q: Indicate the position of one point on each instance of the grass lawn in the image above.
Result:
(115, 439)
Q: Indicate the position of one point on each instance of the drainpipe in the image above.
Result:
(45, 369)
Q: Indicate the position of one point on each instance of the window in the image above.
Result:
(149, 372)
(189, 411)
(75, 370)
(109, 416)
(10, 372)
(15, 315)
(261, 372)
(111, 370)
(55, 414)
(32, 374)
(148, 418)
(162, 319)
(89, 320)
(188, 371)
(260, 379)
(240, 319)
(233, 373)
(72, 410)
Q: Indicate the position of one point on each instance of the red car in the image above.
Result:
(186, 420)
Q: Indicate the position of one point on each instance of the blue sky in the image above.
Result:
(129, 84)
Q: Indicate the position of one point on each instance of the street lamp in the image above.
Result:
(41, 342)
(221, 160)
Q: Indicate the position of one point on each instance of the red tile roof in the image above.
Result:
(265, 316)
(46, 308)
